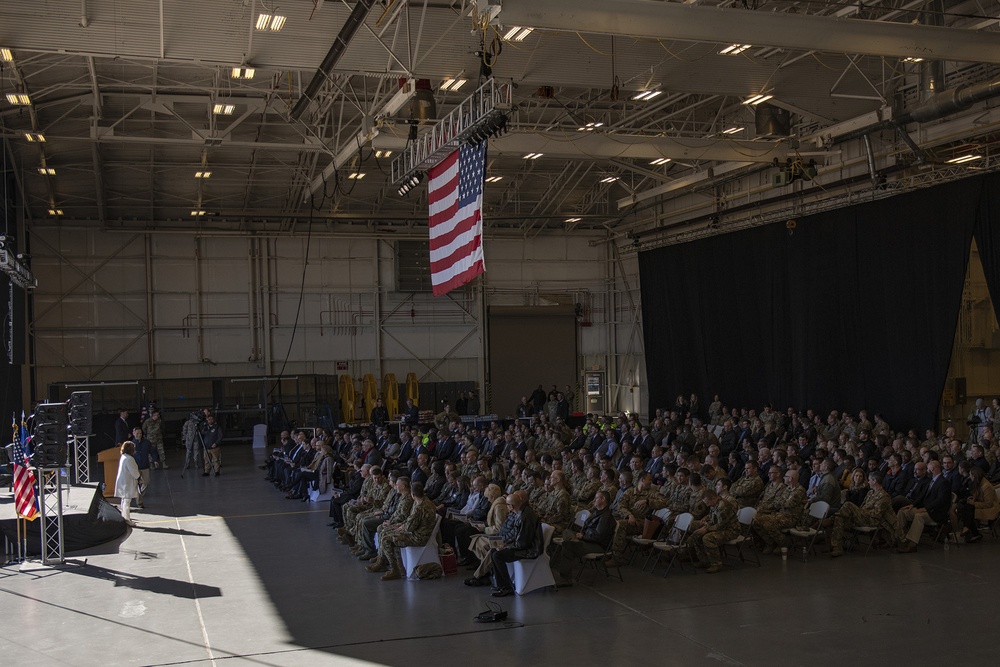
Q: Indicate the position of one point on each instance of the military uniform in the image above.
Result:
(637, 504)
(415, 531)
(723, 526)
(153, 429)
(399, 515)
(375, 496)
(537, 497)
(557, 510)
(384, 509)
(770, 500)
(875, 511)
(769, 526)
(583, 495)
(746, 490)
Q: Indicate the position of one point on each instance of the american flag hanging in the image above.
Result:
(455, 196)
(24, 479)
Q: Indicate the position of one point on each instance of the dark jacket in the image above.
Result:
(526, 541)
(937, 500)
(599, 528)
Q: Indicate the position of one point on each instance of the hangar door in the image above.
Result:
(530, 345)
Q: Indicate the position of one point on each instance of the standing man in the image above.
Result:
(122, 430)
(192, 441)
(211, 438)
(144, 456)
(153, 427)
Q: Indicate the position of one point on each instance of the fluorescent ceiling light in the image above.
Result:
(202, 174)
(35, 137)
(47, 171)
(964, 158)
(224, 109)
(590, 127)
(660, 160)
(757, 99)
(453, 84)
(609, 179)
(532, 156)
(573, 219)
(356, 176)
(734, 49)
(732, 130)
(243, 72)
(198, 212)
(494, 179)
(18, 98)
(55, 211)
(646, 95)
(272, 22)
(6, 55)
(517, 34)
(383, 153)
(913, 60)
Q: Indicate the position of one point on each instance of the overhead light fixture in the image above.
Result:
(224, 109)
(590, 127)
(356, 176)
(609, 179)
(757, 99)
(35, 137)
(270, 22)
(47, 171)
(21, 99)
(660, 160)
(532, 156)
(198, 212)
(451, 85)
(381, 154)
(965, 158)
(735, 49)
(55, 211)
(732, 130)
(646, 95)
(494, 179)
(410, 183)
(6, 55)
(202, 174)
(573, 219)
(517, 34)
(243, 72)
(913, 60)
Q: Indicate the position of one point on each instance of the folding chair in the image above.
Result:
(817, 511)
(674, 551)
(942, 528)
(580, 519)
(746, 516)
(872, 532)
(639, 543)
(415, 556)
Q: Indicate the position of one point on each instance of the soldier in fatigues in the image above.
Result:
(791, 504)
(153, 428)
(635, 505)
(399, 514)
(192, 443)
(875, 511)
(379, 488)
(719, 527)
(414, 532)
(364, 549)
(557, 510)
(747, 489)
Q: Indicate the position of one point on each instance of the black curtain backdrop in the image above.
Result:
(856, 309)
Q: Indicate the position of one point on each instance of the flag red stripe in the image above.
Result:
(460, 279)
(460, 253)
(462, 227)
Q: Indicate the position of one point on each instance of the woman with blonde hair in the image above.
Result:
(127, 482)
(480, 544)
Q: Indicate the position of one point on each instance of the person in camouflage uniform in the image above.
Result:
(557, 508)
(153, 428)
(192, 443)
(747, 489)
(770, 499)
(583, 493)
(636, 504)
(400, 512)
(415, 531)
(875, 511)
(366, 521)
(792, 502)
(709, 534)
(372, 496)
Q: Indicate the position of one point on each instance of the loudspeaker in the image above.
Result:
(50, 434)
(81, 413)
(960, 391)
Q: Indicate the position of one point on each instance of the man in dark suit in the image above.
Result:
(915, 490)
(123, 431)
(445, 449)
(411, 415)
(934, 505)
(525, 543)
(356, 478)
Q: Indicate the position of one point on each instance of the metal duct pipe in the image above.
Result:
(333, 56)
(932, 71)
(872, 171)
(84, 21)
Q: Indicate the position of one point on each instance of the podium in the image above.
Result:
(109, 457)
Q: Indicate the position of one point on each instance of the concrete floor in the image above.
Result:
(225, 570)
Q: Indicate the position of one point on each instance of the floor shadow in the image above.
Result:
(173, 587)
(171, 531)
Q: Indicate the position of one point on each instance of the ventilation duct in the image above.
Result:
(772, 121)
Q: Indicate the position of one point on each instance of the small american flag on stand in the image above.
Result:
(455, 198)
(24, 478)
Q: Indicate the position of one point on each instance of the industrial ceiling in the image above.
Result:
(145, 125)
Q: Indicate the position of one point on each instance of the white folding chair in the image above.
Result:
(746, 515)
(817, 511)
(579, 520)
(674, 551)
(529, 574)
(641, 543)
(413, 557)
